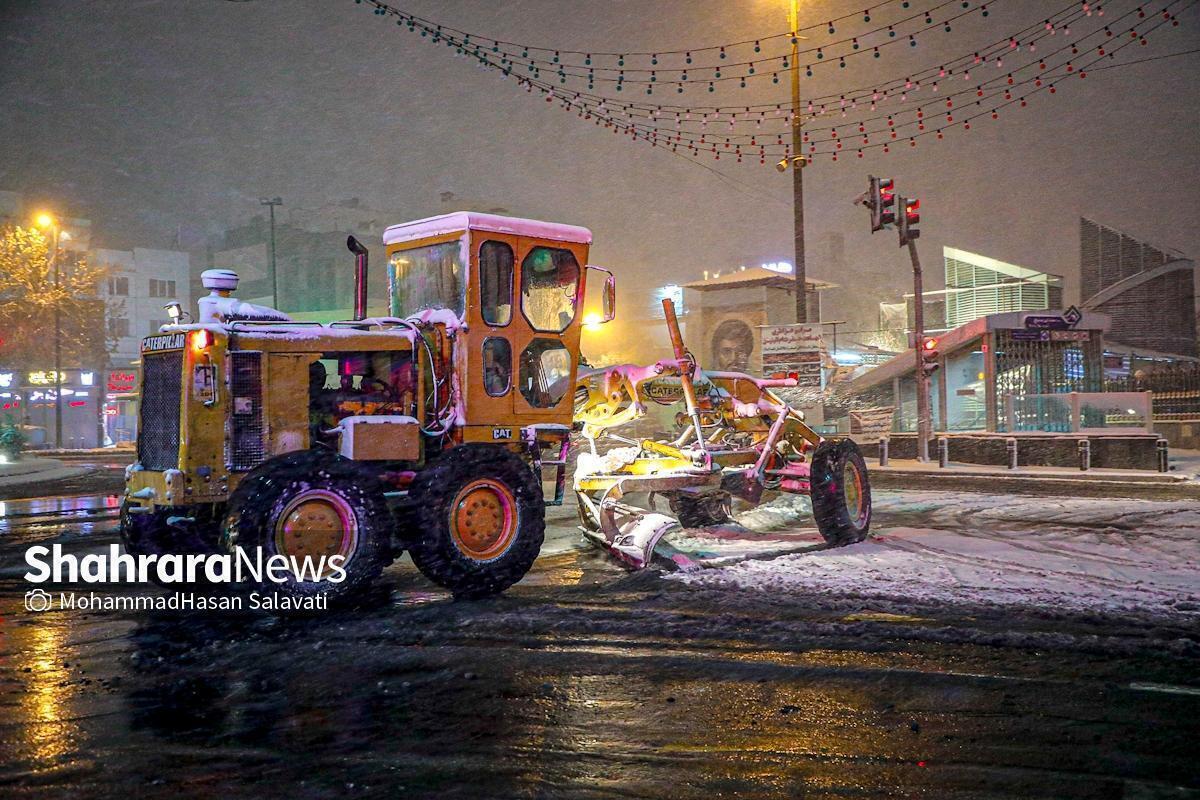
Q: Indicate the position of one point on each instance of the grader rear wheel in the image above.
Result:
(477, 520)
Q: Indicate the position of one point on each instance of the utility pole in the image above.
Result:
(924, 423)
(58, 421)
(798, 162)
(271, 203)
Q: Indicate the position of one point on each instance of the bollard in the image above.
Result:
(943, 452)
(1161, 447)
(883, 452)
(1010, 444)
(1085, 454)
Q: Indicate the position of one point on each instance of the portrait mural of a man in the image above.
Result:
(732, 346)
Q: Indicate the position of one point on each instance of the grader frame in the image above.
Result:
(737, 439)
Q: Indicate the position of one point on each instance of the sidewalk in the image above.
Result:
(911, 474)
(37, 470)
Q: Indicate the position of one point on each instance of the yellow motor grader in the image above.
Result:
(430, 430)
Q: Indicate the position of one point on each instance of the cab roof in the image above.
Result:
(471, 220)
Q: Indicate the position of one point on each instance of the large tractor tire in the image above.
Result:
(478, 520)
(150, 534)
(312, 503)
(700, 511)
(841, 492)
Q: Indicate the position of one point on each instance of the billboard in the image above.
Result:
(794, 348)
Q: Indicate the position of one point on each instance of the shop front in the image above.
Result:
(998, 373)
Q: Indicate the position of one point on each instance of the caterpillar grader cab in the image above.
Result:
(427, 431)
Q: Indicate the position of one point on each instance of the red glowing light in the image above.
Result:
(200, 340)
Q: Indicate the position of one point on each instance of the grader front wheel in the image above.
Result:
(478, 520)
(313, 505)
(841, 492)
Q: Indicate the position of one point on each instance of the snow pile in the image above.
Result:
(1052, 553)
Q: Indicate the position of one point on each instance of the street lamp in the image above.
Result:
(272, 202)
(45, 221)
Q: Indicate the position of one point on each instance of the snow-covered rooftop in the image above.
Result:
(754, 276)
(471, 220)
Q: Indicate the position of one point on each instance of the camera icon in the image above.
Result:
(38, 600)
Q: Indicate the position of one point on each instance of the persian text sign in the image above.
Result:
(792, 339)
(794, 348)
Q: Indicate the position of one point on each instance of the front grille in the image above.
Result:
(246, 446)
(158, 435)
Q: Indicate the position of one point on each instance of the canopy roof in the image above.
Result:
(471, 220)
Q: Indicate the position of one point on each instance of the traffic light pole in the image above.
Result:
(924, 422)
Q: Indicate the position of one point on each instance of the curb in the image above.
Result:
(992, 483)
(39, 470)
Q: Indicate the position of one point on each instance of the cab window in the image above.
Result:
(545, 372)
(427, 277)
(549, 288)
(497, 366)
(496, 282)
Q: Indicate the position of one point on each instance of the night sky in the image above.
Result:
(148, 115)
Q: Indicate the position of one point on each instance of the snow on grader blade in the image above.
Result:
(737, 439)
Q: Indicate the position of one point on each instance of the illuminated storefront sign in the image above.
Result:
(121, 381)
(46, 377)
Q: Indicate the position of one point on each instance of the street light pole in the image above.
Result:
(274, 201)
(798, 161)
(49, 223)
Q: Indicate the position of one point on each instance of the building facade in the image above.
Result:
(976, 286)
(139, 284)
(1149, 293)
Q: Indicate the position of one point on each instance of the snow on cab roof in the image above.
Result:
(471, 220)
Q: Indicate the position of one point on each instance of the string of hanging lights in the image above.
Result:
(689, 74)
(564, 54)
(1004, 84)
(844, 103)
(1046, 81)
(1059, 20)
(654, 128)
(666, 125)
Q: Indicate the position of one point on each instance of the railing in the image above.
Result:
(1080, 412)
(1176, 389)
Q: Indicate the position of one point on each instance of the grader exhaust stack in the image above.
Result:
(735, 438)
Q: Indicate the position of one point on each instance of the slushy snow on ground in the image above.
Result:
(1043, 552)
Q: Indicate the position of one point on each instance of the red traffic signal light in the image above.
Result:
(909, 217)
(881, 199)
(929, 355)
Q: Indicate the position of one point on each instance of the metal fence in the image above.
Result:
(1176, 389)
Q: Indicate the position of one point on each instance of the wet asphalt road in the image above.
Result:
(582, 681)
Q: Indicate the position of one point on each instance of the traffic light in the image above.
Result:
(910, 216)
(929, 355)
(881, 199)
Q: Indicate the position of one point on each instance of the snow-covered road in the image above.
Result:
(1126, 556)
